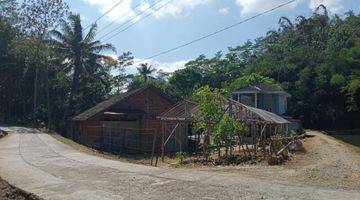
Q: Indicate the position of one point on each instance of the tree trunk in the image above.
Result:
(206, 146)
(35, 93)
(73, 91)
(239, 141)
(48, 98)
(248, 151)
(219, 152)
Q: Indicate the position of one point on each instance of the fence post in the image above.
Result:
(153, 149)
(110, 140)
(156, 161)
(163, 142)
(101, 138)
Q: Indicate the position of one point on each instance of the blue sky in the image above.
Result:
(181, 21)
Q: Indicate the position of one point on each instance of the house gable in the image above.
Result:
(265, 96)
(146, 99)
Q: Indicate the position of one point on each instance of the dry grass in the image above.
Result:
(9, 192)
(170, 161)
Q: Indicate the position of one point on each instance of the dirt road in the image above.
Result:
(40, 164)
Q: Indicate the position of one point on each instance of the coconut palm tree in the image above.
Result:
(77, 49)
(145, 70)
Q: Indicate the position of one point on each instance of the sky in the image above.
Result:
(175, 22)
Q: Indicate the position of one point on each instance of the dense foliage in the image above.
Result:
(316, 60)
(44, 73)
(211, 111)
(226, 132)
(251, 79)
(50, 68)
(214, 122)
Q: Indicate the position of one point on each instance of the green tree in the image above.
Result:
(38, 16)
(120, 80)
(225, 133)
(211, 110)
(145, 70)
(251, 79)
(185, 81)
(77, 48)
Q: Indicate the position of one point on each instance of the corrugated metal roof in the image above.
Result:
(267, 116)
(238, 110)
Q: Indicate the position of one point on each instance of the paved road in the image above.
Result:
(40, 164)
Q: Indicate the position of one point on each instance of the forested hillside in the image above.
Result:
(315, 59)
(51, 67)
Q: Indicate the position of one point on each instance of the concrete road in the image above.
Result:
(41, 165)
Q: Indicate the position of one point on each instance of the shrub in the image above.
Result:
(278, 141)
(180, 155)
(226, 131)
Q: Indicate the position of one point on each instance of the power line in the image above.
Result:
(214, 33)
(142, 18)
(112, 8)
(131, 19)
(103, 15)
(118, 19)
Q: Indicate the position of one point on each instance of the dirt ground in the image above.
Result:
(8, 192)
(327, 162)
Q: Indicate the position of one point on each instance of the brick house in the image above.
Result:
(128, 115)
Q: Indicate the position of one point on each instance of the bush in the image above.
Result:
(278, 141)
(180, 155)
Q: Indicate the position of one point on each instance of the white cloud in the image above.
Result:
(125, 9)
(334, 6)
(164, 66)
(223, 11)
(179, 7)
(171, 67)
(257, 6)
(119, 12)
